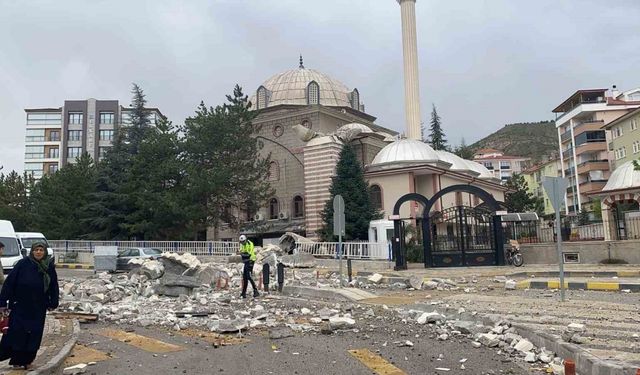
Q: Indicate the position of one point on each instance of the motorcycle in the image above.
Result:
(513, 255)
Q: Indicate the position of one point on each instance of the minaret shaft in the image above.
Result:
(410, 58)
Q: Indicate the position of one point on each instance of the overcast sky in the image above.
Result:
(482, 63)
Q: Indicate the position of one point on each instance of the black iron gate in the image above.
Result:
(463, 236)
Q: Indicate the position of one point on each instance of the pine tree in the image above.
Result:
(59, 199)
(436, 137)
(519, 199)
(463, 151)
(350, 183)
(14, 199)
(224, 169)
(112, 203)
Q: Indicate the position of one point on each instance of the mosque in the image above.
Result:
(305, 117)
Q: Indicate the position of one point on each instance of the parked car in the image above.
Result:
(127, 253)
(27, 239)
(11, 254)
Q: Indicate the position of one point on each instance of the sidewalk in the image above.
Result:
(60, 336)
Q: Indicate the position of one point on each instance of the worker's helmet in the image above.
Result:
(243, 238)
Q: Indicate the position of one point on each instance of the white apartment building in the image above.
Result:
(501, 166)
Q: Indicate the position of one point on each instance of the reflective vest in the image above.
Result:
(247, 248)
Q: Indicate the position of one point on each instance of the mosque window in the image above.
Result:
(262, 97)
(298, 206)
(278, 130)
(274, 171)
(274, 209)
(306, 123)
(313, 93)
(355, 99)
(375, 193)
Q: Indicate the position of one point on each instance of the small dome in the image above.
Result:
(481, 169)
(623, 177)
(356, 126)
(406, 150)
(290, 87)
(457, 163)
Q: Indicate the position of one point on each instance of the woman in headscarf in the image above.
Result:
(30, 289)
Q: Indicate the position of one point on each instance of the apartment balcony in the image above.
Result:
(593, 146)
(588, 125)
(568, 172)
(566, 136)
(592, 186)
(567, 153)
(593, 165)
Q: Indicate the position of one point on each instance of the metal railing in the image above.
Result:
(202, 248)
(351, 250)
(535, 232)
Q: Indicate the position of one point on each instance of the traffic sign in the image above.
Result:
(556, 188)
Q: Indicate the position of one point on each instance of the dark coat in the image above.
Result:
(28, 302)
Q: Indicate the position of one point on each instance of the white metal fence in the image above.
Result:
(202, 248)
(353, 250)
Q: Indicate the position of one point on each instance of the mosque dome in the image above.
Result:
(457, 163)
(304, 86)
(406, 150)
(361, 128)
(479, 168)
(623, 177)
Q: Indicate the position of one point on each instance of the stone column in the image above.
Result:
(410, 58)
(607, 223)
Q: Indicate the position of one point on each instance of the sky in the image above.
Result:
(482, 63)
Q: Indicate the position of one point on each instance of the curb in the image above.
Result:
(576, 285)
(57, 360)
(74, 266)
(625, 273)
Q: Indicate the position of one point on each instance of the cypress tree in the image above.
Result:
(437, 138)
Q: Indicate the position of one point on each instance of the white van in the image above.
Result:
(11, 254)
(27, 239)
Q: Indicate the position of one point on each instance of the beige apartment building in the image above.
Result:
(581, 120)
(624, 138)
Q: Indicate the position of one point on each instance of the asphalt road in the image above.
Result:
(300, 354)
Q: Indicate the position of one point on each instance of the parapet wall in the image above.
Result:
(590, 252)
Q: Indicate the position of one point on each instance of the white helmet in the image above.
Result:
(243, 238)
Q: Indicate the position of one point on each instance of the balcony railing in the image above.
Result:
(593, 165)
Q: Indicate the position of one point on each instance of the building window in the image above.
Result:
(306, 123)
(274, 209)
(106, 117)
(488, 165)
(274, 171)
(355, 99)
(375, 194)
(106, 135)
(53, 168)
(44, 119)
(313, 93)
(505, 165)
(278, 130)
(262, 97)
(34, 169)
(75, 118)
(54, 136)
(636, 147)
(75, 135)
(298, 206)
(34, 152)
(634, 124)
(621, 153)
(54, 153)
(73, 152)
(617, 132)
(35, 135)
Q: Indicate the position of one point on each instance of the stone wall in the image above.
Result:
(591, 252)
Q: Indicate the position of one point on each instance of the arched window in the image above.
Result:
(262, 98)
(274, 209)
(298, 206)
(355, 99)
(274, 171)
(375, 193)
(313, 93)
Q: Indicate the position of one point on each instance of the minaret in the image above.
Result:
(410, 57)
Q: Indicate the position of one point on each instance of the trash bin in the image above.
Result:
(105, 258)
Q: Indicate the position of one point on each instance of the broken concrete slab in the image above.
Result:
(298, 260)
(416, 282)
(376, 278)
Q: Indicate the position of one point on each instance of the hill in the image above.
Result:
(530, 139)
